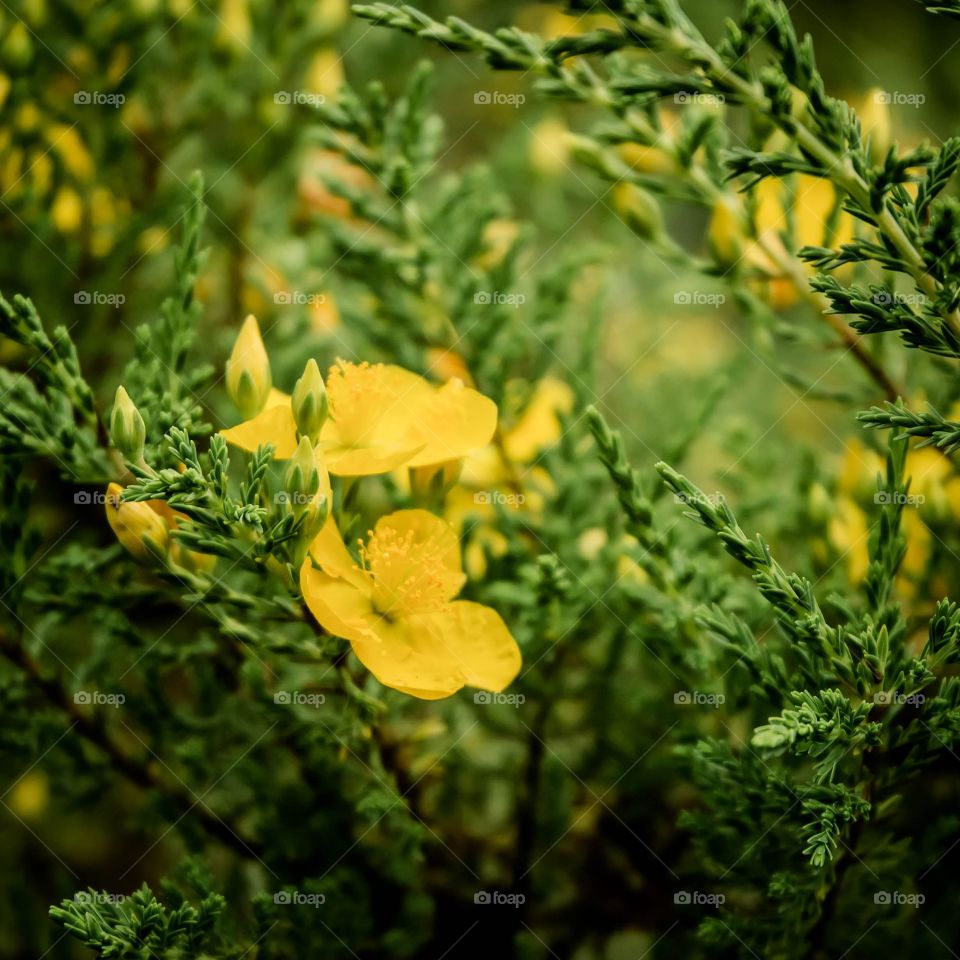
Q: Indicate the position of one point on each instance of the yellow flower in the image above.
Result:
(539, 425)
(549, 149)
(67, 210)
(381, 417)
(325, 73)
(398, 611)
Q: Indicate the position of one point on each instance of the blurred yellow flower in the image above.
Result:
(324, 73)
(381, 417)
(67, 210)
(398, 611)
(549, 149)
(30, 795)
(848, 533)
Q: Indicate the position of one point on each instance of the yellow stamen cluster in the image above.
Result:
(408, 576)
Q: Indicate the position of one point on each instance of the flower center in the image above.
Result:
(409, 575)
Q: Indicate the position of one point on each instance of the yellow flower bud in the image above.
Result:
(127, 429)
(141, 531)
(248, 370)
(309, 402)
(638, 210)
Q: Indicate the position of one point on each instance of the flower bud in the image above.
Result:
(141, 531)
(302, 476)
(638, 210)
(127, 429)
(248, 370)
(309, 402)
(437, 479)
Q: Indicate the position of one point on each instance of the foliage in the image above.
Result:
(719, 743)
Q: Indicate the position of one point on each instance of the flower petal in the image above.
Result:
(340, 607)
(450, 422)
(362, 461)
(274, 424)
(328, 549)
(407, 657)
(477, 639)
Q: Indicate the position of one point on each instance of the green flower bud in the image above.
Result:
(127, 429)
(248, 370)
(302, 477)
(310, 403)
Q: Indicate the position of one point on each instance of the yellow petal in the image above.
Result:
(412, 660)
(450, 422)
(478, 641)
(330, 552)
(364, 461)
(274, 424)
(339, 607)
(539, 427)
